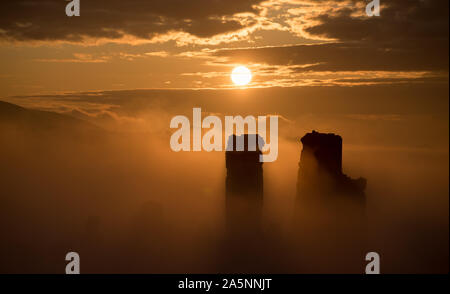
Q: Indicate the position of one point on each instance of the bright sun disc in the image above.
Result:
(241, 76)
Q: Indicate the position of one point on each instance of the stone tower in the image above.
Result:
(330, 213)
(244, 182)
(320, 169)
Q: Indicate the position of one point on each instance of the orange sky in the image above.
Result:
(171, 44)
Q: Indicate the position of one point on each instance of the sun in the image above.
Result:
(241, 76)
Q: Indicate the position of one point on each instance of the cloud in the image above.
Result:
(285, 42)
(25, 20)
(408, 36)
(407, 43)
(344, 57)
(400, 20)
(158, 54)
(77, 58)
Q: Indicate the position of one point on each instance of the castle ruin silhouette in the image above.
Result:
(329, 218)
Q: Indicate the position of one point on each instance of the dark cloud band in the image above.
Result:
(46, 20)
